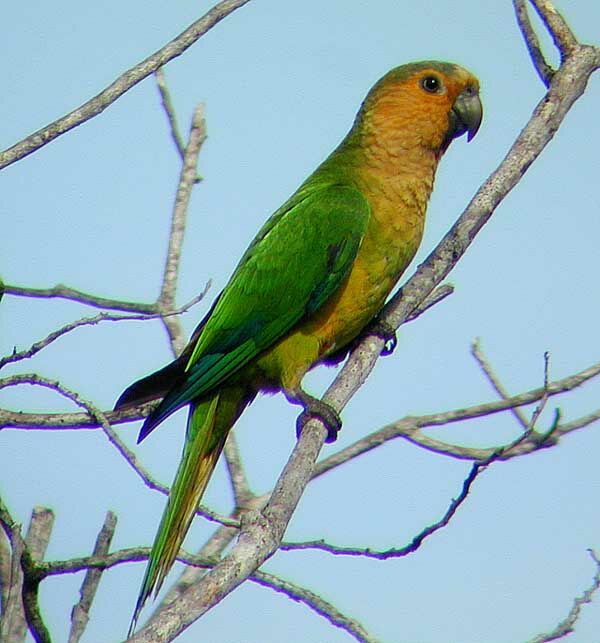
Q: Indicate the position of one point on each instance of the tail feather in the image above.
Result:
(209, 421)
(153, 386)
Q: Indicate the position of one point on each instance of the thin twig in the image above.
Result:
(239, 482)
(415, 543)
(315, 603)
(108, 560)
(122, 84)
(72, 421)
(167, 104)
(102, 561)
(567, 626)
(80, 613)
(132, 460)
(102, 420)
(438, 295)
(476, 469)
(410, 427)
(544, 399)
(543, 69)
(485, 366)
(178, 223)
(65, 292)
(90, 321)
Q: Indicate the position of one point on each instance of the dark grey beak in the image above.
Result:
(465, 116)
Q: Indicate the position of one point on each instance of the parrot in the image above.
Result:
(315, 276)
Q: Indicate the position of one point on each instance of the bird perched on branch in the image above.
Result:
(316, 274)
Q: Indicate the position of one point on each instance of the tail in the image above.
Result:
(209, 422)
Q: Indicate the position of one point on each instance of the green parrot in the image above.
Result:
(316, 274)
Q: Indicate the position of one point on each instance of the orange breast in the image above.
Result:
(393, 236)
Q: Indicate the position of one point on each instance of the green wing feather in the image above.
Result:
(299, 258)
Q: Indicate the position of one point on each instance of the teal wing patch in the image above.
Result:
(298, 260)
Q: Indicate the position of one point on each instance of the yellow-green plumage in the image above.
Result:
(315, 275)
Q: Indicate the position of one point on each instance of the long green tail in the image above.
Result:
(209, 422)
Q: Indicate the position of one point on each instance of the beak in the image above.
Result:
(465, 116)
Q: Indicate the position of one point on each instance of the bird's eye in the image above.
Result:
(431, 84)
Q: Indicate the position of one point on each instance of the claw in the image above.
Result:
(387, 333)
(314, 408)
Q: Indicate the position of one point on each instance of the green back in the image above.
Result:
(299, 258)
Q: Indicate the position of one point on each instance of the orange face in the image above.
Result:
(424, 105)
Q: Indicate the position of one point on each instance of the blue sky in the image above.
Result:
(281, 83)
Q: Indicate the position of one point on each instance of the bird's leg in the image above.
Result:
(384, 330)
(314, 408)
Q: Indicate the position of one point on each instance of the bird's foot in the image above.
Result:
(382, 329)
(314, 408)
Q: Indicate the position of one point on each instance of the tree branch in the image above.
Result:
(543, 69)
(167, 104)
(476, 469)
(35, 348)
(562, 36)
(315, 603)
(567, 626)
(64, 292)
(187, 180)
(122, 84)
(80, 613)
(410, 427)
(481, 359)
(21, 608)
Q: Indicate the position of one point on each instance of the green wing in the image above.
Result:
(297, 261)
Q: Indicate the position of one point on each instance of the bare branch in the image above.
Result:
(64, 421)
(315, 603)
(80, 613)
(122, 84)
(106, 561)
(561, 33)
(21, 609)
(476, 469)
(39, 531)
(567, 626)
(102, 420)
(544, 399)
(543, 69)
(239, 482)
(481, 359)
(90, 321)
(13, 625)
(438, 295)
(5, 572)
(64, 292)
(416, 542)
(410, 427)
(101, 561)
(187, 180)
(167, 104)
(132, 460)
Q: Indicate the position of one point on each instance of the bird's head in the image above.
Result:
(424, 104)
